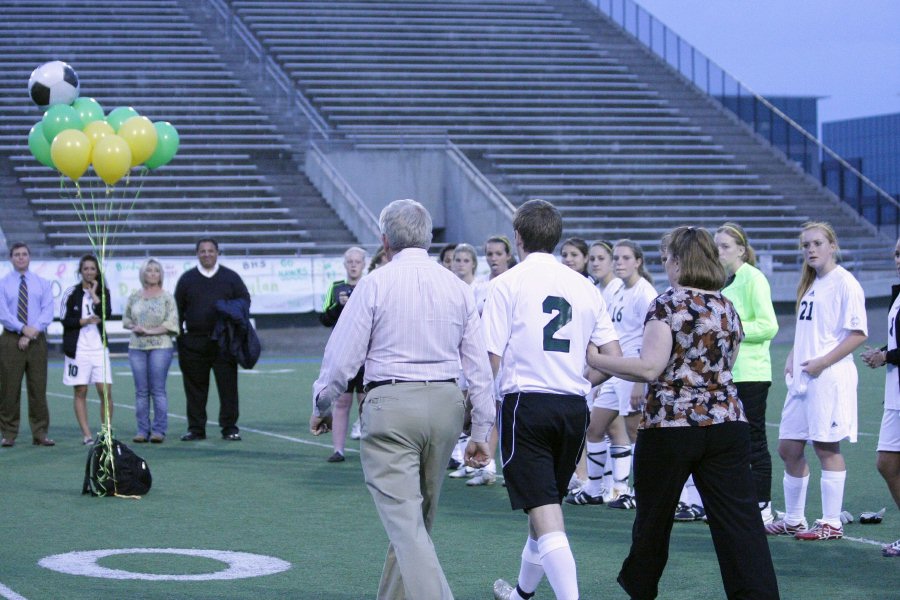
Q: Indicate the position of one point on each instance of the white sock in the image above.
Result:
(621, 466)
(531, 571)
(691, 492)
(596, 466)
(459, 451)
(559, 564)
(833, 496)
(491, 467)
(795, 499)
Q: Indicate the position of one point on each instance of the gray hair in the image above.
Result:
(142, 272)
(355, 250)
(405, 224)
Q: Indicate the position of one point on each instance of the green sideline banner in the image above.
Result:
(278, 285)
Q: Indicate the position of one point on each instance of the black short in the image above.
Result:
(541, 439)
(356, 384)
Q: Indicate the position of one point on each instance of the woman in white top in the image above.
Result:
(85, 307)
(889, 438)
(821, 401)
(617, 399)
(600, 267)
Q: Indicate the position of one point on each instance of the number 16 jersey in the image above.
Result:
(830, 309)
(539, 317)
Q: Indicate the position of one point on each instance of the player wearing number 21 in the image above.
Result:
(539, 320)
(821, 378)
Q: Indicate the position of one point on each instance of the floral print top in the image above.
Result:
(151, 312)
(696, 388)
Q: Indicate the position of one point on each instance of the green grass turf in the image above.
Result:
(274, 494)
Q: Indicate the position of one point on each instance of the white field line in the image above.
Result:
(7, 593)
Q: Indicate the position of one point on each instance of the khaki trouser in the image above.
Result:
(408, 432)
(14, 365)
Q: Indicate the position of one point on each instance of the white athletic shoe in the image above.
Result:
(482, 477)
(355, 433)
(463, 471)
(502, 590)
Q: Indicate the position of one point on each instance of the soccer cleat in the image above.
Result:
(889, 550)
(453, 464)
(624, 501)
(482, 477)
(870, 518)
(355, 432)
(820, 531)
(580, 497)
(687, 513)
(782, 527)
(461, 472)
(336, 458)
(502, 590)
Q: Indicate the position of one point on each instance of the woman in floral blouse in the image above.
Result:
(692, 424)
(152, 317)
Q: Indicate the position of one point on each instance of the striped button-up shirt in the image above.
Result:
(410, 320)
(40, 301)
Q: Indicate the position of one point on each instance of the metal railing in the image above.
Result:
(770, 123)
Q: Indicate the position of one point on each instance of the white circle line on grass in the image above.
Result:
(8, 594)
(241, 565)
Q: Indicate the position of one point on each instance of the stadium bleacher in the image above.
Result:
(228, 180)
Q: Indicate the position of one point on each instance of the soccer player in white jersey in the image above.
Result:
(539, 320)
(600, 267)
(617, 399)
(821, 401)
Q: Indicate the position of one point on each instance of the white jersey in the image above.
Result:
(539, 318)
(891, 382)
(831, 309)
(89, 340)
(614, 285)
(628, 310)
(480, 290)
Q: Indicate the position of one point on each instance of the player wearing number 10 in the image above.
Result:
(539, 320)
(821, 399)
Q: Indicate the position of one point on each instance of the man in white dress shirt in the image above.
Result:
(411, 322)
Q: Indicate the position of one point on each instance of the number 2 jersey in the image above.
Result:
(539, 317)
(830, 309)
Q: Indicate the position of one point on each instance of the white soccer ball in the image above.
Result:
(52, 83)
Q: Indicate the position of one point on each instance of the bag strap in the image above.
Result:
(86, 486)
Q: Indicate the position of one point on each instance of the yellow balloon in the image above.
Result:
(112, 158)
(95, 130)
(71, 153)
(140, 135)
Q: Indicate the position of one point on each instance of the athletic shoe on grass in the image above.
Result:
(580, 497)
(686, 513)
(482, 477)
(891, 550)
(502, 590)
(624, 501)
(462, 471)
(782, 527)
(820, 531)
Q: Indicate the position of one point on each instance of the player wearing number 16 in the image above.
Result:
(821, 400)
(539, 320)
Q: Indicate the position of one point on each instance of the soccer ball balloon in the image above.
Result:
(54, 82)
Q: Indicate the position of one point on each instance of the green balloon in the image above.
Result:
(119, 115)
(39, 146)
(166, 145)
(88, 109)
(60, 117)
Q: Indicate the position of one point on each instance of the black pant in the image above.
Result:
(197, 354)
(718, 458)
(753, 395)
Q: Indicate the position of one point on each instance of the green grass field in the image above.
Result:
(273, 494)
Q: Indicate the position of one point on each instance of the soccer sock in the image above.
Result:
(621, 466)
(832, 484)
(491, 467)
(531, 571)
(795, 498)
(459, 450)
(596, 466)
(691, 493)
(559, 564)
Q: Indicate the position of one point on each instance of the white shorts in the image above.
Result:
(87, 368)
(889, 437)
(827, 411)
(614, 394)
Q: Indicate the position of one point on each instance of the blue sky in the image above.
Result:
(847, 51)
